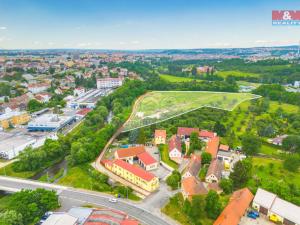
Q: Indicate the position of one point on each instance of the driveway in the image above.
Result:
(262, 220)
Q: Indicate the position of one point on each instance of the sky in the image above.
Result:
(143, 24)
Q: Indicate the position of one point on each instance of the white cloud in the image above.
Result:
(3, 28)
(135, 42)
(50, 43)
(122, 43)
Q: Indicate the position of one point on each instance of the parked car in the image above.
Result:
(113, 200)
(251, 215)
(255, 213)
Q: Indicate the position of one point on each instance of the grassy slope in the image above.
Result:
(8, 171)
(236, 73)
(175, 79)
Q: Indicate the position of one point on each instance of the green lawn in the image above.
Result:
(164, 154)
(8, 171)
(236, 73)
(175, 79)
(158, 106)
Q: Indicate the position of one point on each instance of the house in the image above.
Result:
(277, 140)
(191, 186)
(225, 156)
(38, 87)
(82, 113)
(160, 137)
(275, 208)
(212, 146)
(43, 97)
(175, 150)
(129, 154)
(133, 174)
(185, 132)
(236, 208)
(297, 84)
(224, 148)
(109, 82)
(214, 172)
(206, 135)
(193, 167)
(146, 161)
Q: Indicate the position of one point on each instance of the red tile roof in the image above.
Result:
(192, 186)
(224, 148)
(213, 146)
(130, 152)
(134, 170)
(175, 142)
(206, 134)
(186, 131)
(236, 208)
(215, 168)
(161, 133)
(146, 158)
(83, 112)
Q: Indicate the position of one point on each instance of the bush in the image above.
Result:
(174, 180)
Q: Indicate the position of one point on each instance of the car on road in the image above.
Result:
(112, 200)
(252, 215)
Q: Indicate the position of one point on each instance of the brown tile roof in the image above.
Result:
(130, 152)
(236, 208)
(192, 186)
(186, 131)
(206, 134)
(161, 133)
(213, 146)
(194, 165)
(224, 148)
(215, 168)
(175, 142)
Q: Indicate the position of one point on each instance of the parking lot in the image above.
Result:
(262, 220)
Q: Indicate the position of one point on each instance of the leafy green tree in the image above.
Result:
(174, 180)
(197, 211)
(133, 136)
(11, 217)
(195, 143)
(251, 144)
(205, 158)
(241, 173)
(226, 185)
(291, 143)
(34, 105)
(213, 205)
(141, 137)
(220, 129)
(292, 163)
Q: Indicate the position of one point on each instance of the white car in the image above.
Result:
(113, 200)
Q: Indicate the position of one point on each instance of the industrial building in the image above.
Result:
(50, 122)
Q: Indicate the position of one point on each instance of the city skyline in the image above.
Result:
(135, 25)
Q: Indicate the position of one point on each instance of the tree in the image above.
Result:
(141, 137)
(197, 211)
(292, 163)
(133, 136)
(11, 217)
(194, 71)
(226, 185)
(174, 180)
(213, 205)
(34, 105)
(220, 129)
(291, 143)
(251, 144)
(205, 158)
(241, 173)
(195, 143)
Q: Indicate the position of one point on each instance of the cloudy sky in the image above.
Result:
(143, 24)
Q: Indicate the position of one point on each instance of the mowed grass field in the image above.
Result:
(158, 106)
(175, 79)
(236, 73)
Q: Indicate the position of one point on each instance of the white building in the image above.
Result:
(109, 82)
(39, 87)
(59, 218)
(79, 91)
(297, 84)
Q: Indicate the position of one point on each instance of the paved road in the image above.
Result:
(94, 198)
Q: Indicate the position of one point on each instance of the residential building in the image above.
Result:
(236, 208)
(206, 135)
(212, 146)
(147, 162)
(133, 174)
(275, 208)
(191, 186)
(43, 97)
(13, 118)
(160, 137)
(175, 150)
(185, 132)
(38, 87)
(297, 84)
(193, 167)
(109, 82)
(214, 172)
(224, 148)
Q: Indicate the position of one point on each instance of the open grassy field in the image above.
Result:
(8, 171)
(164, 154)
(158, 106)
(236, 73)
(175, 79)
